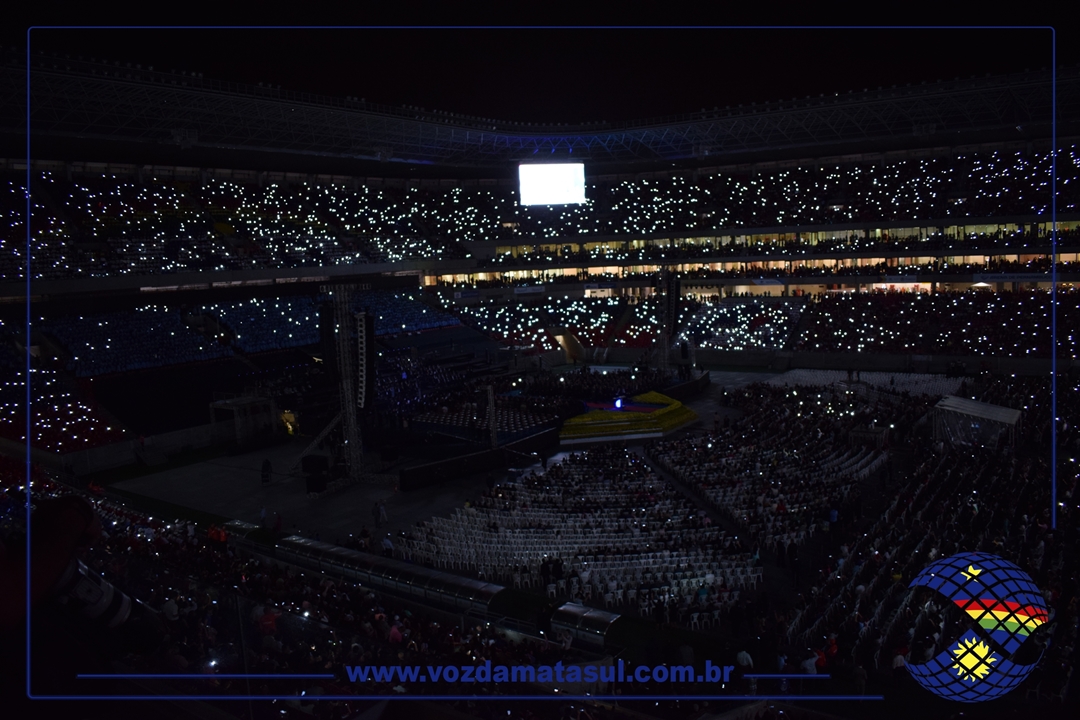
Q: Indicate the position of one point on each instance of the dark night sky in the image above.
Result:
(568, 75)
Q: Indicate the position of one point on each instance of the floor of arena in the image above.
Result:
(231, 486)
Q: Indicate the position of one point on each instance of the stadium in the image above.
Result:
(304, 391)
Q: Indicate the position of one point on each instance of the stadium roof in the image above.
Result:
(131, 112)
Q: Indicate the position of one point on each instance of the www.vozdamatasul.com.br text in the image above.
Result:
(487, 672)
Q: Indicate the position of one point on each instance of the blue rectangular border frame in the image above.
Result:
(29, 437)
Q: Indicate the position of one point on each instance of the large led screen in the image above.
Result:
(552, 184)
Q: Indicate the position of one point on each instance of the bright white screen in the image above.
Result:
(552, 184)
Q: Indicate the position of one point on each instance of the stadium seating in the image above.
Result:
(60, 422)
(611, 531)
(401, 312)
(969, 323)
(798, 465)
(150, 336)
(259, 325)
(158, 226)
(526, 324)
(743, 324)
(210, 600)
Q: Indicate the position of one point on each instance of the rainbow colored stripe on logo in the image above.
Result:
(997, 615)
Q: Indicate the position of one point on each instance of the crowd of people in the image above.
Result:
(396, 313)
(743, 324)
(782, 470)
(787, 479)
(952, 500)
(533, 324)
(944, 323)
(151, 336)
(61, 419)
(853, 615)
(148, 336)
(156, 227)
(262, 324)
(218, 610)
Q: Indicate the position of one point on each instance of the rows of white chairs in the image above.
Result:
(623, 536)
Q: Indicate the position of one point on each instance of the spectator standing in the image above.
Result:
(899, 663)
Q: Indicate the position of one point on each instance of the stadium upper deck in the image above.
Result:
(86, 226)
(956, 158)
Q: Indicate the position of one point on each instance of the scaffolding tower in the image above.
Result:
(348, 362)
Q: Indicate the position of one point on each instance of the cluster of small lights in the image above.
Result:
(645, 324)
(527, 324)
(271, 211)
(743, 324)
(643, 327)
(393, 249)
(52, 254)
(1012, 324)
(155, 226)
(59, 421)
(107, 207)
(262, 324)
(259, 325)
(150, 336)
(400, 312)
